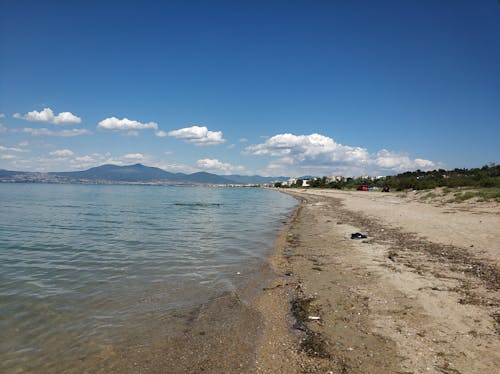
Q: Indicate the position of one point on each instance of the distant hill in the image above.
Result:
(9, 173)
(141, 173)
(204, 177)
(132, 173)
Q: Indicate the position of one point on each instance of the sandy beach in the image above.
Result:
(419, 294)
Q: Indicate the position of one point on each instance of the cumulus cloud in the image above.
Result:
(316, 152)
(304, 148)
(214, 164)
(66, 117)
(47, 115)
(2, 115)
(198, 135)
(129, 126)
(243, 140)
(401, 162)
(62, 153)
(65, 133)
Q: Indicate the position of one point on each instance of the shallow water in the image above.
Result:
(87, 271)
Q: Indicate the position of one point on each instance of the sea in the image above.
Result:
(98, 278)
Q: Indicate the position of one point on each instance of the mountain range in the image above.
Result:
(136, 173)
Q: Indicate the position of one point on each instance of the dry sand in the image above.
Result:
(419, 295)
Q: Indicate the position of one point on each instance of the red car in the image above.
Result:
(362, 188)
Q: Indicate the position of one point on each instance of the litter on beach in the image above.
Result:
(358, 235)
(314, 318)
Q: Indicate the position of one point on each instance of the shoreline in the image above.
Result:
(178, 300)
(420, 294)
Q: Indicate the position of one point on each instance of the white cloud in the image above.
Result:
(161, 133)
(214, 164)
(7, 157)
(198, 135)
(11, 154)
(73, 132)
(65, 133)
(319, 154)
(61, 160)
(304, 148)
(83, 162)
(86, 158)
(11, 149)
(37, 132)
(47, 115)
(2, 115)
(134, 157)
(66, 117)
(243, 140)
(174, 167)
(125, 124)
(401, 162)
(2, 128)
(62, 153)
(97, 159)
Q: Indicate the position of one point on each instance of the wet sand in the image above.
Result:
(420, 294)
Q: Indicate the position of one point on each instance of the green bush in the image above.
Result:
(487, 176)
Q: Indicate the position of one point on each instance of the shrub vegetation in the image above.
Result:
(486, 177)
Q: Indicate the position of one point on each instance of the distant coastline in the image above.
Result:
(124, 183)
(135, 174)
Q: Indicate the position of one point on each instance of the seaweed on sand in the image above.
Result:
(313, 343)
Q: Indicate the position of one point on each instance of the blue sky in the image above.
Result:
(268, 87)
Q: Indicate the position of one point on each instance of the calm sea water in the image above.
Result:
(83, 266)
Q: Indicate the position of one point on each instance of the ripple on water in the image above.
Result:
(86, 271)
